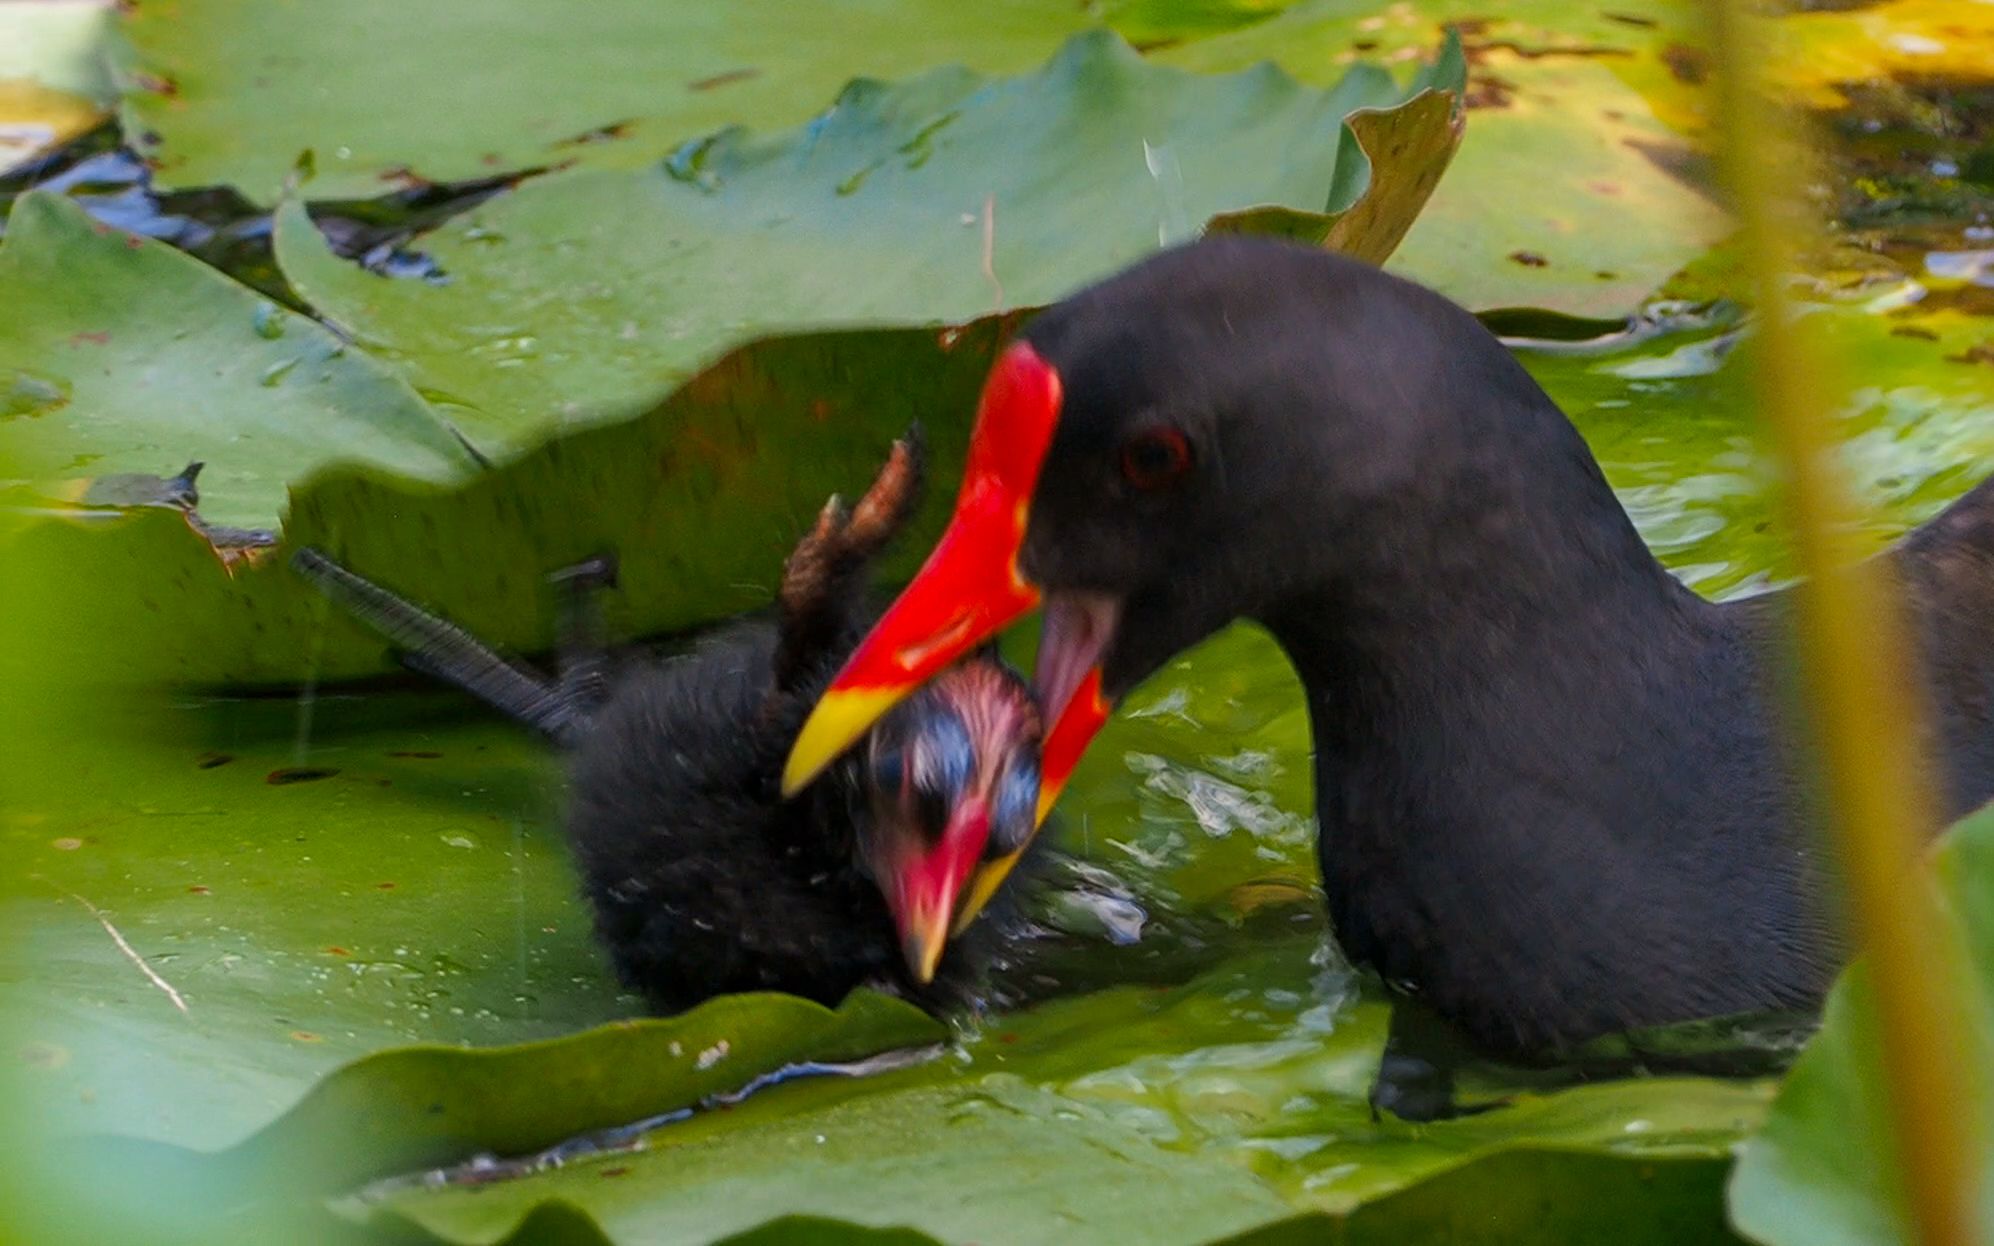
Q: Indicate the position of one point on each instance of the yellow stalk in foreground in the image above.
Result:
(1853, 657)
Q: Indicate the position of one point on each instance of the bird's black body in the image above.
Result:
(1559, 793)
(702, 878)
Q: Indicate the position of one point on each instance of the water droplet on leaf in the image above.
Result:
(268, 321)
(31, 395)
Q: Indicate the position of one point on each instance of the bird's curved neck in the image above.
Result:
(1495, 693)
(1510, 570)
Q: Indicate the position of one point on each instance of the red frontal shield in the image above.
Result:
(969, 589)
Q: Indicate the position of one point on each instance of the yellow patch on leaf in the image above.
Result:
(34, 118)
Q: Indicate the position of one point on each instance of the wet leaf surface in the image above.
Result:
(749, 447)
(931, 201)
(702, 497)
(1672, 423)
(1532, 1194)
(396, 900)
(1166, 1115)
(408, 1108)
(215, 80)
(118, 354)
(1601, 201)
(952, 1165)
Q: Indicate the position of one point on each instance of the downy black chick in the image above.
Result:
(702, 878)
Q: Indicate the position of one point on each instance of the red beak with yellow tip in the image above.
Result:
(923, 882)
(970, 588)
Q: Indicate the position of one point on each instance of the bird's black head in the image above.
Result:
(1243, 423)
(951, 775)
(1227, 429)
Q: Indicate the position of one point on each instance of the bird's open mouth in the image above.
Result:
(1074, 634)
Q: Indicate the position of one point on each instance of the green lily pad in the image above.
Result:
(1812, 1174)
(206, 910)
(702, 496)
(1570, 130)
(748, 448)
(1533, 1194)
(410, 1107)
(1523, 1194)
(234, 91)
(391, 881)
(955, 1166)
(119, 354)
(1154, 24)
(1124, 1114)
(933, 201)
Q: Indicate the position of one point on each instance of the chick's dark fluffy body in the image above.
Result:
(702, 878)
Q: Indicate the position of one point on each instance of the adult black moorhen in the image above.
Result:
(1558, 791)
(702, 878)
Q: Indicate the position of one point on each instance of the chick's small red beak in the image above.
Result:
(1071, 732)
(922, 881)
(971, 585)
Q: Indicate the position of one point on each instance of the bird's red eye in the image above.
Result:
(1154, 459)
